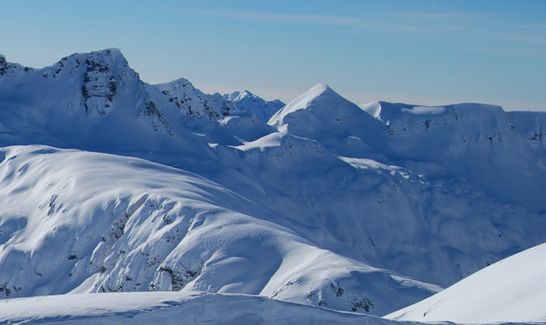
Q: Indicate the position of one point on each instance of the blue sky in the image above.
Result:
(419, 51)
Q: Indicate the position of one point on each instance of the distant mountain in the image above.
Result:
(252, 104)
(193, 102)
(325, 203)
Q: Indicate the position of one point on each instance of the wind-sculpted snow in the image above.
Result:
(328, 203)
(175, 308)
(512, 289)
(101, 223)
(171, 308)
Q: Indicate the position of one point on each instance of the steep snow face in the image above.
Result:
(532, 126)
(159, 228)
(512, 290)
(171, 308)
(194, 102)
(91, 100)
(326, 117)
(322, 108)
(251, 104)
(96, 82)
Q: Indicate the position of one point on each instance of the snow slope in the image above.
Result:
(475, 141)
(251, 104)
(408, 211)
(170, 308)
(512, 289)
(102, 223)
(350, 203)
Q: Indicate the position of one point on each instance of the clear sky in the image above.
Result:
(419, 51)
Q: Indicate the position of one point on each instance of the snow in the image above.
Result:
(161, 228)
(110, 184)
(253, 105)
(418, 110)
(193, 102)
(512, 290)
(302, 102)
(170, 308)
(372, 108)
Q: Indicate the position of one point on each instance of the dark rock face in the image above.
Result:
(3, 65)
(193, 102)
(156, 117)
(99, 87)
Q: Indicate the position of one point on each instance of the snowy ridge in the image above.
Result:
(469, 134)
(511, 289)
(251, 104)
(171, 308)
(174, 308)
(159, 228)
(328, 204)
(193, 102)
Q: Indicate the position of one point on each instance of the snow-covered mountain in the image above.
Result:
(194, 102)
(502, 153)
(248, 102)
(104, 223)
(108, 183)
(511, 289)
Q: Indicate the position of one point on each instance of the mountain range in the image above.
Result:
(111, 184)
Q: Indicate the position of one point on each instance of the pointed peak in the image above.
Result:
(239, 95)
(320, 88)
(318, 91)
(320, 95)
(245, 93)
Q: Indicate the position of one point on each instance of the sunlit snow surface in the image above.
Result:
(171, 308)
(93, 222)
(324, 203)
(512, 289)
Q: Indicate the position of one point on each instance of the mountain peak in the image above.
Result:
(192, 101)
(112, 53)
(317, 95)
(249, 103)
(111, 57)
(321, 88)
(240, 94)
